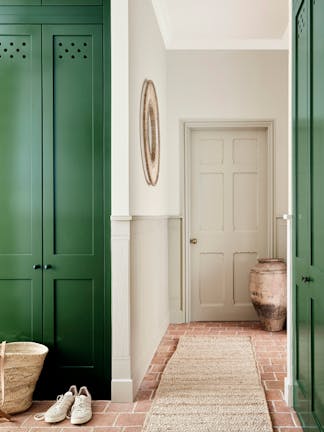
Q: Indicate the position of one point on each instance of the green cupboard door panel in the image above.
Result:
(318, 363)
(317, 210)
(20, 183)
(302, 152)
(73, 204)
(20, 2)
(73, 2)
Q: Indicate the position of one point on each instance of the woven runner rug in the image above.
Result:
(211, 384)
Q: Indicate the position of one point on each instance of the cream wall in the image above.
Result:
(219, 85)
(147, 59)
(119, 108)
(149, 205)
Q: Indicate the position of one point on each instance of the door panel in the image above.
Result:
(73, 2)
(317, 212)
(73, 203)
(302, 204)
(20, 2)
(229, 219)
(20, 183)
(309, 211)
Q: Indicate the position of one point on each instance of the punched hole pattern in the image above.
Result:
(13, 49)
(75, 50)
(301, 23)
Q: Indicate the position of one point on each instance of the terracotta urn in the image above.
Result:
(269, 292)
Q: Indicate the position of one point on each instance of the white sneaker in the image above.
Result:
(81, 411)
(61, 409)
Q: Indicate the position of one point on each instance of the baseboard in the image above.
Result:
(122, 390)
(289, 393)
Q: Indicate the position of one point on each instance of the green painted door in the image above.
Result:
(309, 212)
(52, 260)
(20, 183)
(73, 252)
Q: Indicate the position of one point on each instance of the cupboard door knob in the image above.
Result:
(47, 266)
(306, 279)
(193, 241)
(36, 266)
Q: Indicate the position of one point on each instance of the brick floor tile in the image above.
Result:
(157, 368)
(280, 419)
(144, 395)
(268, 376)
(273, 368)
(132, 429)
(71, 427)
(272, 385)
(280, 406)
(130, 420)
(13, 429)
(280, 375)
(31, 422)
(17, 421)
(143, 406)
(99, 406)
(106, 419)
(107, 429)
(273, 395)
(46, 429)
(120, 407)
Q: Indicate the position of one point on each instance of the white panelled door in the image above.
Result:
(228, 220)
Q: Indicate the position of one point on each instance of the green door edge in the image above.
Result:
(296, 5)
(107, 184)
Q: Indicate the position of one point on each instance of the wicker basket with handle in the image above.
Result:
(20, 366)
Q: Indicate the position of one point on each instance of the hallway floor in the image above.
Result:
(112, 417)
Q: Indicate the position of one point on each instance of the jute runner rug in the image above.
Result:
(210, 384)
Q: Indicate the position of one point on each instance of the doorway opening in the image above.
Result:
(229, 220)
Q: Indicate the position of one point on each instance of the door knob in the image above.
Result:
(193, 241)
(36, 266)
(47, 266)
(306, 279)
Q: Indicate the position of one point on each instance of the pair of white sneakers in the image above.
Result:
(73, 405)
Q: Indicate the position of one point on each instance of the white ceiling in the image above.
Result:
(223, 24)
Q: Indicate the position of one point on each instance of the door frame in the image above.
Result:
(186, 129)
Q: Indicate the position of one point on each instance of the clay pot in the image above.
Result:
(268, 291)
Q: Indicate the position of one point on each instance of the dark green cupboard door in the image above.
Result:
(51, 198)
(73, 252)
(20, 183)
(309, 212)
(317, 211)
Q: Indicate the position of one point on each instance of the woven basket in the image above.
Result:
(20, 367)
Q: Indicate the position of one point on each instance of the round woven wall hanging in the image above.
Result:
(150, 133)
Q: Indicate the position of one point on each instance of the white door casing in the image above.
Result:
(229, 212)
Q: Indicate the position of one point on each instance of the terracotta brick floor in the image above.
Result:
(270, 350)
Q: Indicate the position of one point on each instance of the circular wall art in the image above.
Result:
(150, 133)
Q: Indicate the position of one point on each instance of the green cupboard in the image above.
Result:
(308, 221)
(54, 187)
